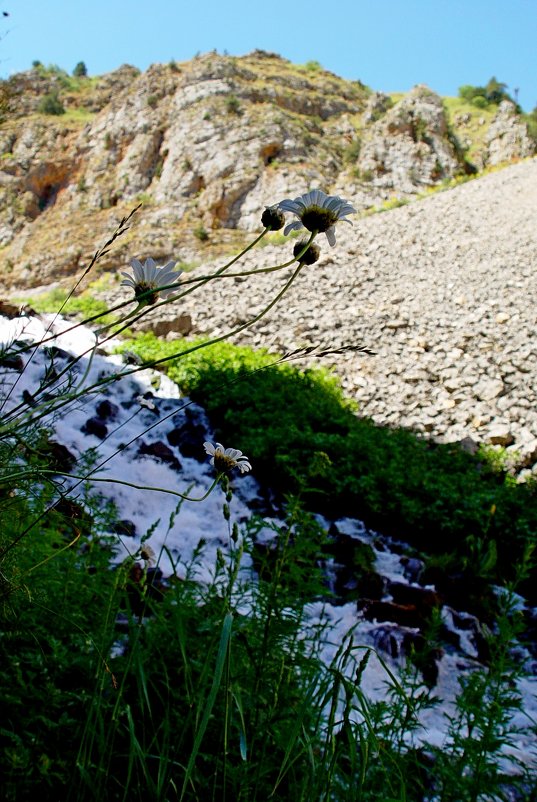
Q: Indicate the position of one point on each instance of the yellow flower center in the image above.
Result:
(317, 218)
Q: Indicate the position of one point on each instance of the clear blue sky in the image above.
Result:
(388, 44)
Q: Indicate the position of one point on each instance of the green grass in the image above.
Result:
(78, 115)
(84, 306)
(305, 437)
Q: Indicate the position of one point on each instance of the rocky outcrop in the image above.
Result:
(410, 146)
(204, 145)
(507, 138)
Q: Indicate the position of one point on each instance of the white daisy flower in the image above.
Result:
(151, 277)
(224, 459)
(148, 555)
(317, 211)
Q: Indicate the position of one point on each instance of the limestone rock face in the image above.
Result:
(409, 147)
(204, 146)
(507, 137)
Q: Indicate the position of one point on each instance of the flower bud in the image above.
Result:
(311, 255)
(273, 218)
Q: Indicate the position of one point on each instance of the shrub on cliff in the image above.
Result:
(51, 104)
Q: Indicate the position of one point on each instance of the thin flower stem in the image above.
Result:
(89, 477)
(121, 229)
(98, 386)
(136, 314)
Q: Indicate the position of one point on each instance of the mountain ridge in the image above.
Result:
(205, 145)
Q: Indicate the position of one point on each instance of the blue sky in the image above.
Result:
(390, 45)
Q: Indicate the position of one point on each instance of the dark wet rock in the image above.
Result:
(12, 362)
(460, 590)
(28, 398)
(161, 452)
(96, 427)
(59, 457)
(477, 634)
(13, 310)
(406, 615)
(400, 643)
(72, 518)
(106, 410)
(189, 438)
(351, 584)
(189, 433)
(423, 598)
(412, 568)
(424, 656)
(371, 585)
(130, 358)
(54, 352)
(124, 528)
(349, 551)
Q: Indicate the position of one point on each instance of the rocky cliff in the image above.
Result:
(205, 145)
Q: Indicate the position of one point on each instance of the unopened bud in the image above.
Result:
(273, 218)
(310, 256)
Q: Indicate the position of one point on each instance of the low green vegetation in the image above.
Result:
(85, 305)
(51, 104)
(308, 440)
(483, 96)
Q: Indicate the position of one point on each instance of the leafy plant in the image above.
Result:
(201, 233)
(51, 104)
(233, 105)
(80, 70)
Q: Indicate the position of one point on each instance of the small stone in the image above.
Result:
(107, 410)
(161, 452)
(500, 434)
(469, 445)
(96, 427)
(487, 389)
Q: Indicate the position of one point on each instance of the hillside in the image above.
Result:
(442, 290)
(205, 145)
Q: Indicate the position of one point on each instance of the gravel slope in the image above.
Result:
(443, 290)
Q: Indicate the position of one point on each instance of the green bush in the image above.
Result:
(233, 105)
(80, 70)
(51, 104)
(531, 123)
(351, 153)
(201, 233)
(482, 96)
(480, 102)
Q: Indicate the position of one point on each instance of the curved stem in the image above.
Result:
(97, 386)
(121, 229)
(108, 480)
